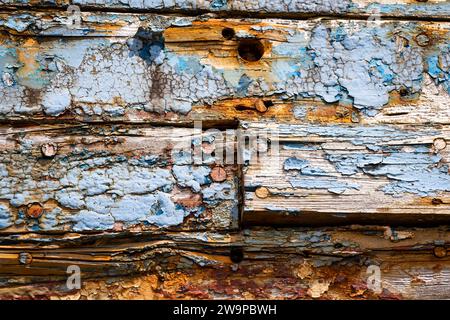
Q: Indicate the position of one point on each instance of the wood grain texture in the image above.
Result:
(173, 69)
(111, 179)
(284, 8)
(351, 115)
(326, 263)
(339, 174)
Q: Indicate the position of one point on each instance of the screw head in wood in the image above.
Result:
(260, 106)
(34, 210)
(49, 150)
(440, 252)
(218, 174)
(262, 192)
(25, 258)
(422, 40)
(439, 144)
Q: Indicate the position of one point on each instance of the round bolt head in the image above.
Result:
(218, 174)
(422, 40)
(439, 144)
(262, 192)
(49, 150)
(440, 252)
(34, 211)
(25, 258)
(260, 106)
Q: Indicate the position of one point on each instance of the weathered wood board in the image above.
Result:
(112, 179)
(340, 174)
(327, 263)
(161, 69)
(292, 8)
(347, 108)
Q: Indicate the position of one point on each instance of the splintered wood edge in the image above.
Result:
(340, 257)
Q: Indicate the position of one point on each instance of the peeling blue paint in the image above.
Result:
(330, 184)
(5, 217)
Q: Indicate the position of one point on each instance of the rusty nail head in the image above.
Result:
(25, 258)
(436, 201)
(262, 192)
(49, 150)
(440, 252)
(218, 174)
(439, 144)
(422, 40)
(35, 210)
(260, 106)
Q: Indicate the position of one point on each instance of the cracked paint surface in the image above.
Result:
(333, 168)
(383, 7)
(354, 63)
(84, 188)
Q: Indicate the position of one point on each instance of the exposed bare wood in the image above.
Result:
(346, 106)
(283, 263)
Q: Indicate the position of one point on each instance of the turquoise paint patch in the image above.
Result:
(184, 64)
(218, 4)
(381, 70)
(5, 217)
(436, 72)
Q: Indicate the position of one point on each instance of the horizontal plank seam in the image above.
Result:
(229, 14)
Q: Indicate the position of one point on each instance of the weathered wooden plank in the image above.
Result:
(340, 174)
(162, 69)
(284, 8)
(328, 263)
(92, 179)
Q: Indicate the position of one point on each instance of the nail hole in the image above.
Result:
(241, 107)
(228, 33)
(404, 92)
(236, 254)
(268, 103)
(436, 201)
(250, 50)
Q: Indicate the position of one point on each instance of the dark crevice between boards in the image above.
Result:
(323, 219)
(206, 124)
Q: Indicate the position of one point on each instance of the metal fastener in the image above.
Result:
(262, 192)
(35, 210)
(25, 258)
(218, 174)
(439, 144)
(260, 106)
(422, 40)
(440, 252)
(49, 150)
